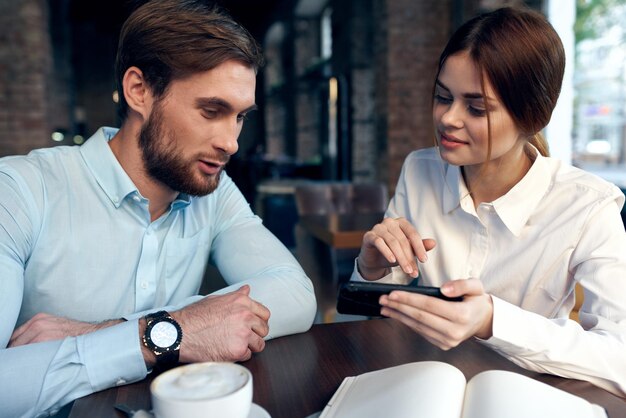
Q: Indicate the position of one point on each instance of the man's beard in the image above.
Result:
(165, 163)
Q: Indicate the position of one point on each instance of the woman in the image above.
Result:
(490, 217)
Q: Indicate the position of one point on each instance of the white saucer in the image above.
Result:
(257, 411)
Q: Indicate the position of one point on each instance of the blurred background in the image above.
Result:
(345, 94)
(344, 97)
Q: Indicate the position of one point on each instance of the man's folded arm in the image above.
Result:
(246, 252)
(45, 376)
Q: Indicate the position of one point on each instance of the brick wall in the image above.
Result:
(366, 159)
(410, 39)
(275, 128)
(307, 111)
(386, 51)
(274, 81)
(56, 72)
(360, 50)
(25, 74)
(393, 50)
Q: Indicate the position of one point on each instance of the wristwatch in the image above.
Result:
(163, 336)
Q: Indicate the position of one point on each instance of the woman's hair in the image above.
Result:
(172, 39)
(522, 56)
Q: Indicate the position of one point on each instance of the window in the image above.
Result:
(599, 82)
(326, 34)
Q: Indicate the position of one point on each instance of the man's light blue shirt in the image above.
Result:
(76, 240)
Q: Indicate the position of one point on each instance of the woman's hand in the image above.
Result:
(393, 242)
(443, 323)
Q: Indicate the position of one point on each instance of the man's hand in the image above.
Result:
(443, 323)
(393, 242)
(228, 327)
(46, 327)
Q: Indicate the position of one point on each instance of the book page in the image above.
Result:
(423, 389)
(497, 393)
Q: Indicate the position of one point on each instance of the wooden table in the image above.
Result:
(296, 376)
(340, 231)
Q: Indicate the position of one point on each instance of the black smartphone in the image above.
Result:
(361, 298)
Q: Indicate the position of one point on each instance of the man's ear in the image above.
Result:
(137, 92)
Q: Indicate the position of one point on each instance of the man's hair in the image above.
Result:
(172, 39)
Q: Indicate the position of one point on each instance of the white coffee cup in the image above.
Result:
(203, 390)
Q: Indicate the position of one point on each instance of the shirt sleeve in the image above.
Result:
(37, 379)
(594, 349)
(245, 252)
(43, 377)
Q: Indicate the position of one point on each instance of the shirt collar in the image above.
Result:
(105, 168)
(181, 201)
(109, 173)
(516, 206)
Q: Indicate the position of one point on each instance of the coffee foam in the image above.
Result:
(206, 381)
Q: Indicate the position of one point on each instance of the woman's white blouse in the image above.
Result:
(559, 225)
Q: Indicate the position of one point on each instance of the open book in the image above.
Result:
(435, 389)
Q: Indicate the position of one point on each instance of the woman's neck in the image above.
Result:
(489, 181)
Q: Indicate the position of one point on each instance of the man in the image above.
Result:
(103, 246)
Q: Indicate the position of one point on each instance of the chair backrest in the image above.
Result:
(314, 199)
(580, 296)
(369, 197)
(319, 199)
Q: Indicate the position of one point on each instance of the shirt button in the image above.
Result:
(120, 382)
(144, 285)
(136, 198)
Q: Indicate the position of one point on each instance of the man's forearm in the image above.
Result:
(44, 376)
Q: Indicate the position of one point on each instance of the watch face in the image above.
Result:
(163, 334)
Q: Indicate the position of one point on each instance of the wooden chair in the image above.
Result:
(579, 302)
(319, 199)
